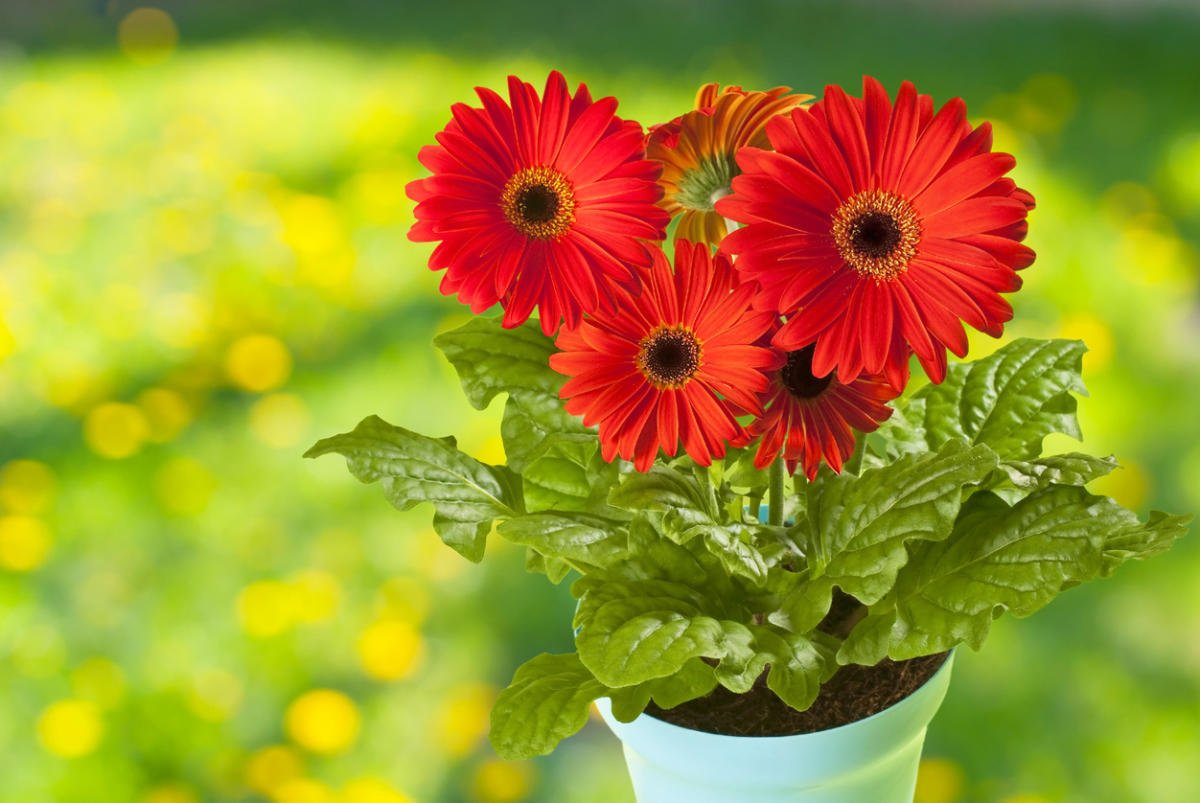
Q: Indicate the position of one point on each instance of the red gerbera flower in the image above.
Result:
(807, 417)
(673, 364)
(545, 203)
(877, 228)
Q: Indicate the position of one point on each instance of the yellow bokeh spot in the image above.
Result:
(280, 420)
(463, 718)
(312, 225)
(170, 793)
(314, 596)
(99, 680)
(390, 649)
(1129, 484)
(303, 790)
(313, 229)
(1026, 798)
(496, 781)
(264, 608)
(323, 721)
(1150, 253)
(258, 363)
(1095, 333)
(147, 35)
(24, 543)
(490, 451)
(26, 486)
(372, 790)
(271, 767)
(184, 486)
(116, 430)
(70, 728)
(329, 272)
(215, 694)
(8, 343)
(167, 412)
(939, 780)
(270, 607)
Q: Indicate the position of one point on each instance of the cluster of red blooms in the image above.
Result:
(850, 234)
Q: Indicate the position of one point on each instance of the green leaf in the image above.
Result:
(633, 631)
(902, 433)
(567, 472)
(1073, 468)
(998, 558)
(1009, 400)
(653, 557)
(573, 537)
(467, 495)
(1136, 541)
(547, 701)
(694, 680)
(798, 665)
(684, 506)
(490, 359)
(688, 508)
(732, 545)
(859, 526)
(555, 569)
(530, 417)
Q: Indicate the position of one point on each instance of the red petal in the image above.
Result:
(962, 181)
(933, 148)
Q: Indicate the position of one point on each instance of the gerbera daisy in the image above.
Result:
(807, 417)
(673, 364)
(538, 202)
(697, 152)
(877, 228)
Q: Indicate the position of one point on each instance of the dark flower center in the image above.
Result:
(539, 202)
(877, 233)
(874, 234)
(669, 357)
(797, 375)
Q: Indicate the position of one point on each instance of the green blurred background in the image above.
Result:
(203, 268)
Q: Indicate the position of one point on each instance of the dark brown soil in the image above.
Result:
(854, 693)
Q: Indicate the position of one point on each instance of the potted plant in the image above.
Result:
(753, 625)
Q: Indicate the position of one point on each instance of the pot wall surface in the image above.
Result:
(873, 760)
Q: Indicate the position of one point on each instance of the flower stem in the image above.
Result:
(775, 511)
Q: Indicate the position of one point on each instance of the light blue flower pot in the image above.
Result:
(873, 760)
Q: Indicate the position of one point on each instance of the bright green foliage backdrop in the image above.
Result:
(203, 268)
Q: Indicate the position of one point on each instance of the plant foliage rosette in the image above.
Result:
(652, 405)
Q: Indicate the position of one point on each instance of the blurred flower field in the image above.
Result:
(204, 268)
